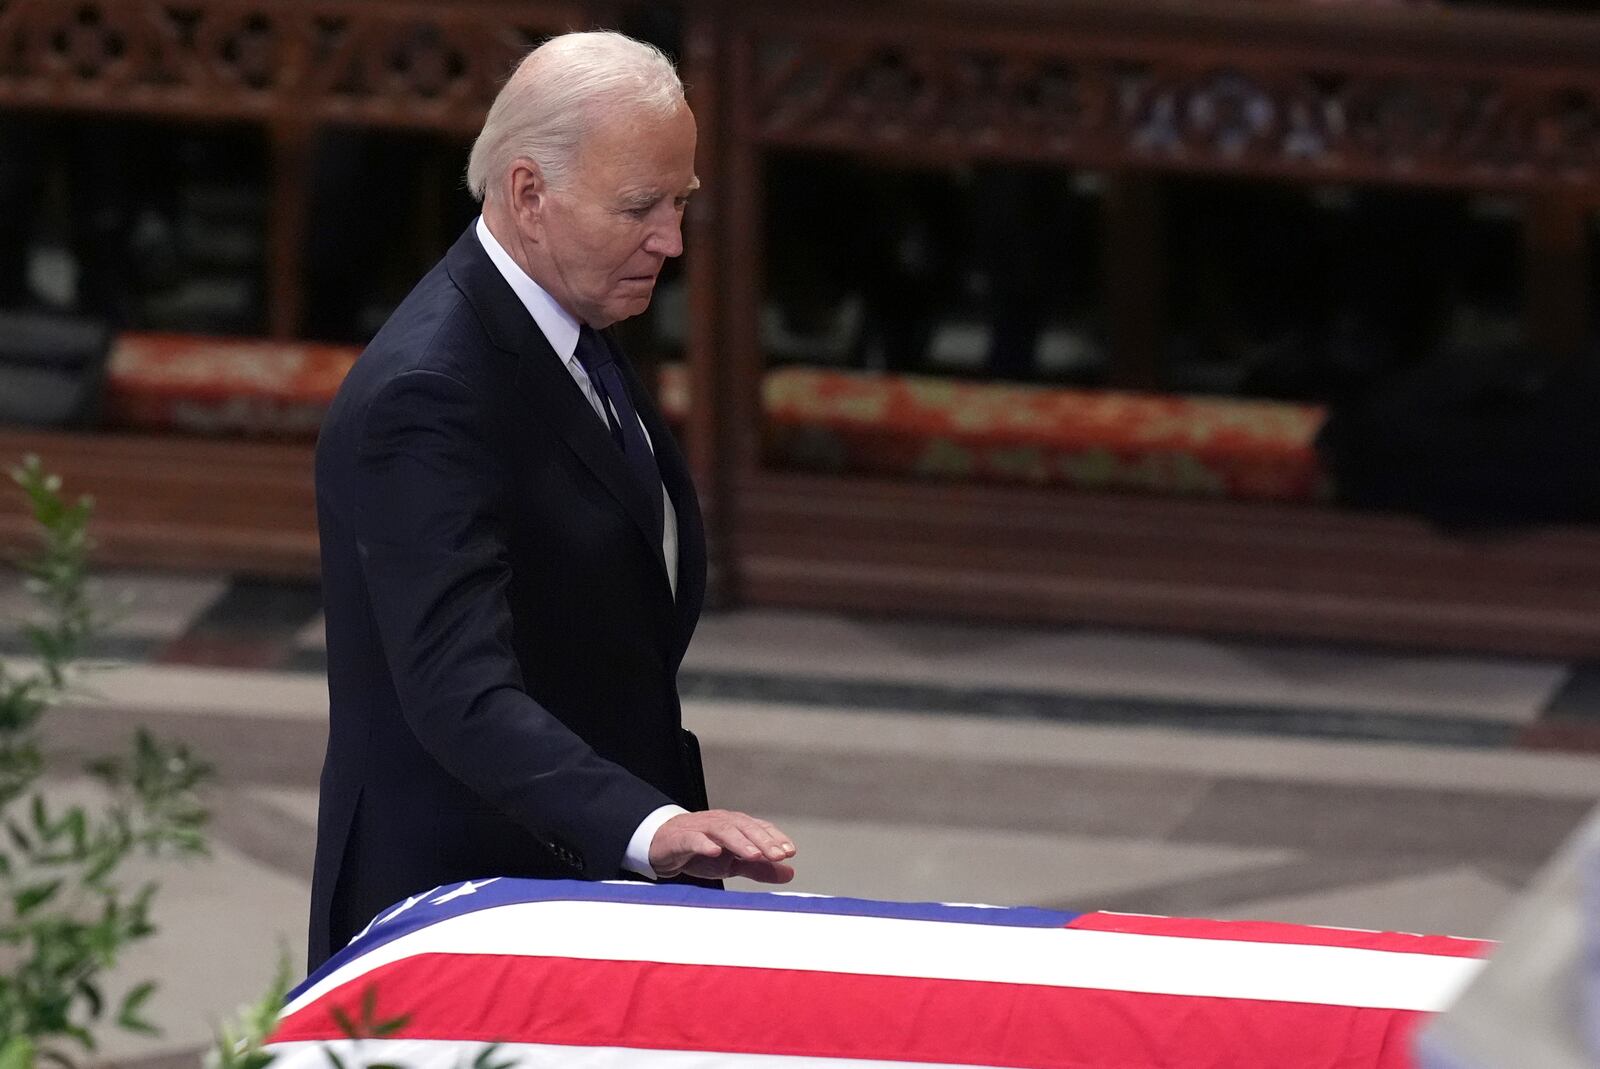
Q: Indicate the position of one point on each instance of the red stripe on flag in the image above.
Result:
(1272, 932)
(581, 1002)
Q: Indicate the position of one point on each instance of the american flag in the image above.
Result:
(603, 975)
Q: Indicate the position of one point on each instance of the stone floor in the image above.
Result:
(1074, 768)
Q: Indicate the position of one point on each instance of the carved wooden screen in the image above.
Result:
(291, 65)
(1340, 93)
(402, 63)
(1405, 93)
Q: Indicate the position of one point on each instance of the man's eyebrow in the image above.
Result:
(641, 197)
(645, 197)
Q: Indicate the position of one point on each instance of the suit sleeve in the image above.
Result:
(432, 542)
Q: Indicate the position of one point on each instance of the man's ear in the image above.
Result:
(528, 197)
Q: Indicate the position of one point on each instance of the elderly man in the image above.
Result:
(513, 560)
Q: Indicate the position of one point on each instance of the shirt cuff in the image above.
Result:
(637, 859)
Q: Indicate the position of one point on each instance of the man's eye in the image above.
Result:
(640, 213)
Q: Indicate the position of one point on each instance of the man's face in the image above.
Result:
(609, 230)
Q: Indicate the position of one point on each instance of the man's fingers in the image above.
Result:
(737, 842)
(771, 828)
(784, 843)
(703, 845)
(722, 867)
(763, 871)
(746, 837)
(721, 839)
(771, 841)
(683, 852)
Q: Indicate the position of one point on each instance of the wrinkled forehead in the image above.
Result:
(631, 147)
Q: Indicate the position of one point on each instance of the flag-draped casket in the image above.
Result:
(593, 975)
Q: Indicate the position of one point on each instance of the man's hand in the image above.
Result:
(719, 843)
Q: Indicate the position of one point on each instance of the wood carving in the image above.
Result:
(404, 63)
(1251, 112)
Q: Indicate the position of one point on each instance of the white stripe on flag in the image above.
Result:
(880, 946)
(459, 1054)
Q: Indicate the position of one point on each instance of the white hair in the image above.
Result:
(557, 94)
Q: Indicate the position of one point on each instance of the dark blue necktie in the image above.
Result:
(621, 417)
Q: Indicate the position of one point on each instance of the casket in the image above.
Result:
(559, 973)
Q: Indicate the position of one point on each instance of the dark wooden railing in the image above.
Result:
(1413, 94)
(1311, 93)
(291, 66)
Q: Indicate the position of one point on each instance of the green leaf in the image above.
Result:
(17, 1053)
(347, 1027)
(240, 1047)
(81, 1034)
(33, 896)
(41, 817)
(91, 995)
(76, 824)
(101, 867)
(129, 1015)
(106, 769)
(486, 1059)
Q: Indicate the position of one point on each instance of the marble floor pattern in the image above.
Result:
(1073, 768)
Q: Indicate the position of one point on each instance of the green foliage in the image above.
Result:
(239, 1043)
(368, 1025)
(488, 1058)
(65, 917)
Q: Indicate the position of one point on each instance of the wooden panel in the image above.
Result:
(291, 66)
(177, 502)
(1556, 273)
(1463, 98)
(1061, 557)
(1368, 92)
(1396, 94)
(407, 63)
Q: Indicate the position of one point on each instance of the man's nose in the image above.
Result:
(667, 239)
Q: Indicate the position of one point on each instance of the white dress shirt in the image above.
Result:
(560, 329)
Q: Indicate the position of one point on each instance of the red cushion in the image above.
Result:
(1089, 439)
(209, 385)
(817, 419)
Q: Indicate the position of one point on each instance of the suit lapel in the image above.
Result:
(545, 383)
(547, 386)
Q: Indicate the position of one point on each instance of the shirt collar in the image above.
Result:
(560, 327)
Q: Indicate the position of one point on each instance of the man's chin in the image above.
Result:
(628, 307)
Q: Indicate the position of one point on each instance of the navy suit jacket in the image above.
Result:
(503, 641)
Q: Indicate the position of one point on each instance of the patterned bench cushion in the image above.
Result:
(909, 425)
(205, 385)
(816, 420)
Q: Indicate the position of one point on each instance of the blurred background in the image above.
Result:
(1149, 447)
